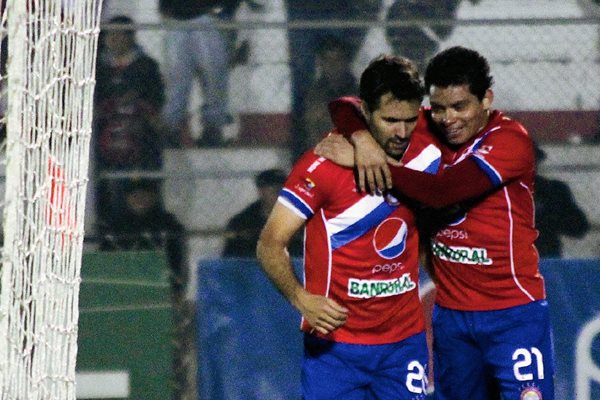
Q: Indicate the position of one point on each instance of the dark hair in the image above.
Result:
(123, 20)
(143, 184)
(386, 74)
(459, 66)
(270, 177)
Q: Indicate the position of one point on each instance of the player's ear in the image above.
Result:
(488, 99)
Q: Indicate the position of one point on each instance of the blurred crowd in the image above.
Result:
(141, 108)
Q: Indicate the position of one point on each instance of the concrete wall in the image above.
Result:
(579, 167)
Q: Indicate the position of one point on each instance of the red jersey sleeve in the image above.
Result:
(505, 154)
(460, 182)
(307, 186)
(346, 115)
(496, 157)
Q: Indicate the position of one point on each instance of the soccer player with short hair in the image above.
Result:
(491, 323)
(363, 324)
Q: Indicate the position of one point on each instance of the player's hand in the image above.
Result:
(336, 148)
(323, 314)
(394, 163)
(371, 163)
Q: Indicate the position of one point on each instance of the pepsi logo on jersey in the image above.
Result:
(387, 268)
(458, 219)
(453, 234)
(389, 239)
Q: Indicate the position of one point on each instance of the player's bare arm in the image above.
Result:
(370, 159)
(338, 149)
(371, 162)
(322, 313)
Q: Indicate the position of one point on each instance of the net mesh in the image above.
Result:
(47, 78)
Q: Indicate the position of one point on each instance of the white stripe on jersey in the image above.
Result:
(292, 207)
(425, 159)
(353, 214)
(511, 247)
(467, 152)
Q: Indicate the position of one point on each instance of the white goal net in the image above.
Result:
(47, 74)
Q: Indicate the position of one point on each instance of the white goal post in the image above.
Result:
(49, 83)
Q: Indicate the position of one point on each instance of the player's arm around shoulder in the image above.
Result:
(370, 159)
(322, 313)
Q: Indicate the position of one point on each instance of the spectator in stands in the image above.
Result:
(144, 224)
(303, 44)
(128, 98)
(419, 43)
(198, 53)
(556, 213)
(244, 228)
(334, 78)
(237, 48)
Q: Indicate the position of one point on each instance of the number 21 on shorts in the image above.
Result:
(526, 358)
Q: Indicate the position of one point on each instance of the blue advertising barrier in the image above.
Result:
(249, 345)
(573, 291)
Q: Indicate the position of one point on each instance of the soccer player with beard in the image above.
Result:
(491, 323)
(364, 330)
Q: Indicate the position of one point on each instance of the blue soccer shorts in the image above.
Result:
(335, 371)
(481, 354)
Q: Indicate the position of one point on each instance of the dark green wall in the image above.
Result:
(126, 321)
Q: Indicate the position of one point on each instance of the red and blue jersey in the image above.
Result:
(361, 250)
(486, 258)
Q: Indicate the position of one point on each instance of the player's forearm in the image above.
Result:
(275, 262)
(455, 184)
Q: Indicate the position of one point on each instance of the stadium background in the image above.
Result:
(545, 59)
